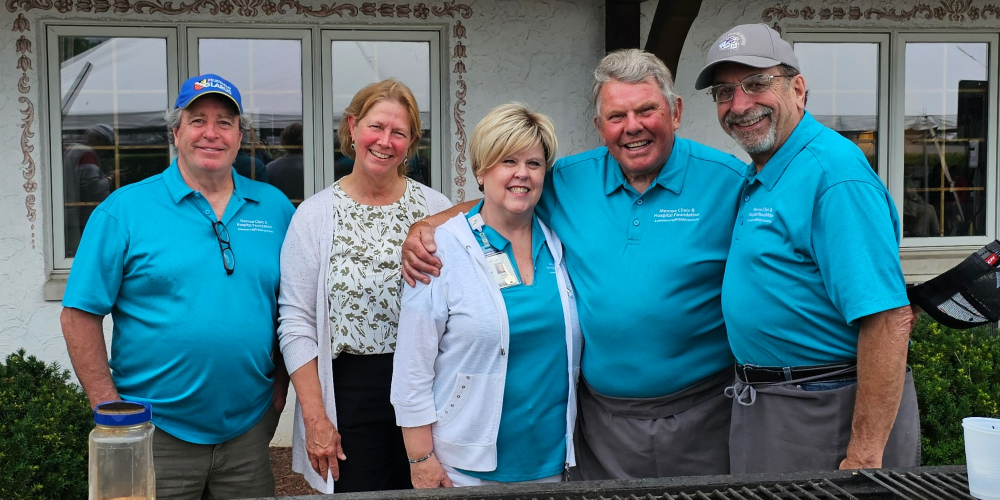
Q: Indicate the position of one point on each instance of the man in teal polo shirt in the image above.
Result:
(186, 263)
(646, 224)
(814, 297)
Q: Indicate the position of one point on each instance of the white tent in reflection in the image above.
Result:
(123, 81)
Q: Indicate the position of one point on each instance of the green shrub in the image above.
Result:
(957, 375)
(44, 425)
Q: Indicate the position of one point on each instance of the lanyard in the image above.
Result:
(497, 262)
(476, 221)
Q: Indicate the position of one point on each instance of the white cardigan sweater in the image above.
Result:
(303, 306)
(451, 352)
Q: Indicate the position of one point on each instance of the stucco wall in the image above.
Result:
(537, 52)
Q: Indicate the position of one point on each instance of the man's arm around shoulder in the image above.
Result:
(84, 334)
(417, 262)
(882, 346)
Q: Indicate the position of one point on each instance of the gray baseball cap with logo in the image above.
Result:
(755, 45)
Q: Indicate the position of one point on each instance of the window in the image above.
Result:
(108, 87)
(354, 59)
(272, 80)
(936, 148)
(944, 138)
(107, 94)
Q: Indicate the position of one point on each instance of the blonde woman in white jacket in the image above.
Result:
(484, 378)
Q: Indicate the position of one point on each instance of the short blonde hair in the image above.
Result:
(508, 129)
(391, 90)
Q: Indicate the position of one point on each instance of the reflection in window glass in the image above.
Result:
(268, 74)
(113, 95)
(944, 161)
(357, 63)
(843, 90)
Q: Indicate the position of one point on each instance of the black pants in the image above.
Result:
(376, 457)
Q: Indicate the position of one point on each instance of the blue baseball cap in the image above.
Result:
(198, 86)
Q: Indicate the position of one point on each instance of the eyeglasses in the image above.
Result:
(753, 84)
(228, 257)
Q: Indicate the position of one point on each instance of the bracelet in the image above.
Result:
(421, 459)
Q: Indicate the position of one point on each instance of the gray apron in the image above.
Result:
(680, 434)
(784, 428)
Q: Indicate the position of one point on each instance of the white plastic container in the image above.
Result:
(982, 454)
(121, 452)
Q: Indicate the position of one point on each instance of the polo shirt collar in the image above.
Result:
(807, 130)
(499, 242)
(243, 188)
(671, 176)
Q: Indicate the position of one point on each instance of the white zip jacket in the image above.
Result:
(451, 353)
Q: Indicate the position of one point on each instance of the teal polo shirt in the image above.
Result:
(531, 440)
(815, 247)
(647, 267)
(189, 339)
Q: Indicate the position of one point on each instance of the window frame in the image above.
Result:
(896, 186)
(430, 34)
(882, 41)
(56, 229)
(305, 36)
(891, 121)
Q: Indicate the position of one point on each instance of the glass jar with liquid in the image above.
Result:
(121, 452)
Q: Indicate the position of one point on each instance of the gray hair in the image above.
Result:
(633, 66)
(173, 119)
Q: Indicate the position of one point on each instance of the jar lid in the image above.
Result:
(122, 413)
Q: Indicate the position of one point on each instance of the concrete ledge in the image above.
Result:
(55, 287)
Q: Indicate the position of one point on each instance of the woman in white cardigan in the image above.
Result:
(488, 353)
(339, 298)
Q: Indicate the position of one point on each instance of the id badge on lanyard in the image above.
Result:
(497, 262)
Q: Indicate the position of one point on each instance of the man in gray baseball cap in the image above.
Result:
(813, 296)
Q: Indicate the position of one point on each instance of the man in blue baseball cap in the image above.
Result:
(186, 263)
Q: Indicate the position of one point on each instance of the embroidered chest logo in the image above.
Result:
(677, 215)
(763, 215)
(254, 226)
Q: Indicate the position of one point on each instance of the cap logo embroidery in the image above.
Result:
(213, 83)
(733, 41)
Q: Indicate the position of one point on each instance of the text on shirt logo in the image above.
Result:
(677, 215)
(254, 225)
(761, 214)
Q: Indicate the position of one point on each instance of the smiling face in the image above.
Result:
(208, 137)
(637, 125)
(760, 123)
(381, 138)
(512, 186)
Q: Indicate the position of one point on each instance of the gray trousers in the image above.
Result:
(789, 429)
(681, 434)
(238, 468)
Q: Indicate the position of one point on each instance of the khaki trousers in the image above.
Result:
(238, 468)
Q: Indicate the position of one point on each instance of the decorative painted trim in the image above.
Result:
(458, 31)
(247, 8)
(23, 47)
(947, 10)
(241, 8)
